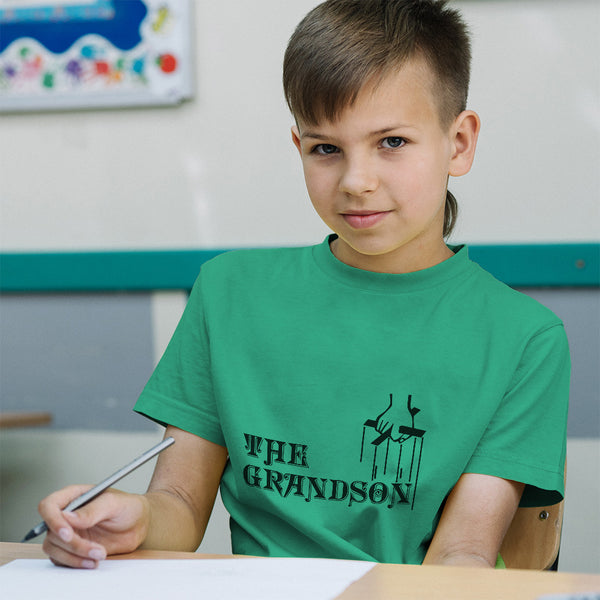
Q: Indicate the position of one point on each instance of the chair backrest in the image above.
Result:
(533, 538)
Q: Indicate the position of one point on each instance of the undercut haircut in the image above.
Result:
(343, 45)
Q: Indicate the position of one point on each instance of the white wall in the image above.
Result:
(217, 171)
(220, 171)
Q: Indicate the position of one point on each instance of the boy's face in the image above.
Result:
(377, 175)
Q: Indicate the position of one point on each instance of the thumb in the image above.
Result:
(85, 517)
(395, 433)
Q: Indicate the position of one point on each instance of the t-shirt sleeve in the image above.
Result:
(179, 391)
(526, 439)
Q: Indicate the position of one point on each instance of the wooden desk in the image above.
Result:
(24, 419)
(411, 582)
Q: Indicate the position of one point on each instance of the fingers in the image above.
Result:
(113, 523)
(51, 508)
(383, 425)
(64, 543)
(71, 550)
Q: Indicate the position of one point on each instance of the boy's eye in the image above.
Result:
(393, 142)
(325, 149)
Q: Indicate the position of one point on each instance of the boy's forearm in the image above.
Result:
(171, 523)
(476, 516)
(182, 492)
(458, 559)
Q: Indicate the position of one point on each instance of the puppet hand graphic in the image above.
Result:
(391, 420)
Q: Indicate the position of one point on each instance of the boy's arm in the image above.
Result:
(172, 515)
(475, 519)
(182, 492)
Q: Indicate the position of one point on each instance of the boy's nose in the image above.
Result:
(358, 178)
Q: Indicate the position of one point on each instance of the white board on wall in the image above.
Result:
(220, 170)
(65, 54)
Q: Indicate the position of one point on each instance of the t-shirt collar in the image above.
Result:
(451, 268)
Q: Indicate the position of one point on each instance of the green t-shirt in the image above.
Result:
(288, 357)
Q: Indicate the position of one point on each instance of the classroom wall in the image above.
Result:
(220, 171)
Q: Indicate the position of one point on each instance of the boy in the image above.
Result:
(377, 396)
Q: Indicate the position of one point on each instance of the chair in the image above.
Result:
(533, 538)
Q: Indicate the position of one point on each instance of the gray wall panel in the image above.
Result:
(83, 357)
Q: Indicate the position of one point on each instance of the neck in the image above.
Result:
(401, 260)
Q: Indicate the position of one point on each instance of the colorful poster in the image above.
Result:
(94, 53)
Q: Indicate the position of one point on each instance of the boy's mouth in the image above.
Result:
(364, 219)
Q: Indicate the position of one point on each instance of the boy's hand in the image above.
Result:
(113, 523)
(172, 515)
(391, 420)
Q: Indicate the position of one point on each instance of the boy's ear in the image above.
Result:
(296, 138)
(464, 131)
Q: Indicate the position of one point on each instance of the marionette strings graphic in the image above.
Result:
(393, 448)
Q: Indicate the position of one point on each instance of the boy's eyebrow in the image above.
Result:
(317, 135)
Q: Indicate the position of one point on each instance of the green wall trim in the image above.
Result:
(525, 265)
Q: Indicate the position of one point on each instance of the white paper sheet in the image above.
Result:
(573, 596)
(239, 579)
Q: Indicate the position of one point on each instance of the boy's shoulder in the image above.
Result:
(513, 303)
(243, 266)
(244, 258)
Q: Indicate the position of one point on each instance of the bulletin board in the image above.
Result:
(66, 54)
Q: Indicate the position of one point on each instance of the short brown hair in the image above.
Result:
(341, 45)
